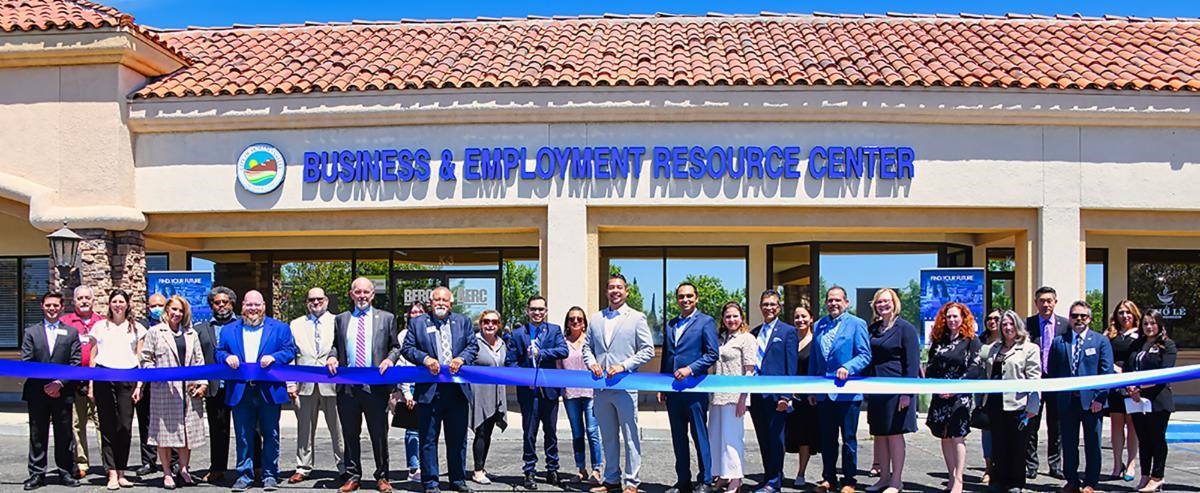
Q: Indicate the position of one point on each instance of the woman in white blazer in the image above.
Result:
(1012, 357)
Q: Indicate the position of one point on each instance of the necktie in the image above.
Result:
(1047, 339)
(360, 344)
(764, 338)
(317, 335)
(1076, 348)
(444, 340)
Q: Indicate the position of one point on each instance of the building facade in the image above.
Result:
(509, 156)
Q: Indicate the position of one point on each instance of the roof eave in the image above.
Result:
(124, 45)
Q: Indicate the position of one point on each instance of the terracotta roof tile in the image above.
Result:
(44, 15)
(1014, 51)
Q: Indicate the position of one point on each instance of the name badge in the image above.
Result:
(431, 330)
(60, 332)
(1090, 351)
(84, 338)
(1154, 350)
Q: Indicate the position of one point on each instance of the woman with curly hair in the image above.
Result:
(954, 354)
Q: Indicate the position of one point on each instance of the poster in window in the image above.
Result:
(941, 286)
(193, 286)
(1166, 281)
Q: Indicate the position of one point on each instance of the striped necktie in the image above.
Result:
(360, 344)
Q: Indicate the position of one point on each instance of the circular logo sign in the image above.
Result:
(260, 168)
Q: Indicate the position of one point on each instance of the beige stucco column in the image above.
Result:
(1059, 251)
(566, 256)
(108, 260)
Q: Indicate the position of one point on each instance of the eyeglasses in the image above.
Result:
(1081, 315)
(488, 321)
(222, 302)
(316, 300)
(993, 319)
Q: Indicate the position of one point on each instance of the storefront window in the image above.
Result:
(297, 272)
(792, 272)
(1001, 278)
(719, 274)
(1096, 283)
(10, 303)
(1165, 280)
(520, 273)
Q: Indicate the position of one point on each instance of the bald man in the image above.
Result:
(259, 340)
(364, 337)
(313, 334)
(442, 341)
(83, 319)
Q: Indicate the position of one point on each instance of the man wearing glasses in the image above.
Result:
(1079, 353)
(537, 344)
(313, 334)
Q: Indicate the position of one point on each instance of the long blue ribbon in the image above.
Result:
(654, 382)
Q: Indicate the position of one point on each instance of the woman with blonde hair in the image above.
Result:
(1122, 333)
(726, 423)
(176, 408)
(1012, 357)
(895, 352)
(954, 354)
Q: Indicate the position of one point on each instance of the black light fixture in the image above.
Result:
(64, 252)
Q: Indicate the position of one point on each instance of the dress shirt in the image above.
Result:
(51, 329)
(251, 339)
(116, 344)
(683, 324)
(368, 316)
(610, 322)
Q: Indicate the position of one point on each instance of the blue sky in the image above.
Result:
(180, 13)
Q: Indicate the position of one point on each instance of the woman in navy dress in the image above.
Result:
(801, 437)
(895, 352)
(1122, 333)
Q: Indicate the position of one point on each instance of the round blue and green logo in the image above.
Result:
(260, 168)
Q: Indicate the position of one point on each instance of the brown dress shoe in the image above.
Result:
(383, 486)
(1087, 489)
(298, 477)
(847, 489)
(351, 485)
(605, 488)
(630, 489)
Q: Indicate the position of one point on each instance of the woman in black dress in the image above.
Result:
(1122, 333)
(954, 355)
(802, 435)
(895, 352)
(1154, 351)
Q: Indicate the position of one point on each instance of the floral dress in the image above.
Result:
(953, 359)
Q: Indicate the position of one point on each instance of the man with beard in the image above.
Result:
(365, 336)
(221, 300)
(82, 320)
(256, 339)
(313, 334)
(538, 344)
(434, 340)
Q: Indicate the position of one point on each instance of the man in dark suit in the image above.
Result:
(434, 340)
(778, 348)
(1043, 328)
(689, 348)
(1079, 353)
(221, 300)
(364, 337)
(50, 401)
(256, 339)
(537, 344)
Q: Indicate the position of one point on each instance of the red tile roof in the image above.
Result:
(662, 50)
(44, 15)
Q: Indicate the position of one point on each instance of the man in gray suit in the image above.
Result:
(364, 336)
(313, 334)
(618, 341)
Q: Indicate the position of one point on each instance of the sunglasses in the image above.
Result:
(574, 319)
(488, 321)
(1080, 315)
(316, 300)
(993, 319)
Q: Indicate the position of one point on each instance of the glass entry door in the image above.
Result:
(474, 292)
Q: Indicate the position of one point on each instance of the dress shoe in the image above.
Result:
(70, 482)
(1087, 489)
(849, 488)
(605, 488)
(297, 477)
(766, 489)
(349, 485)
(824, 486)
(1031, 474)
(146, 470)
(270, 484)
(529, 483)
(702, 488)
(214, 477)
(481, 477)
(383, 486)
(630, 489)
(552, 479)
(1057, 474)
(242, 484)
(461, 488)
(34, 483)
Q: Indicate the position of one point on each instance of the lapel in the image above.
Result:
(187, 346)
(381, 332)
(770, 337)
(166, 334)
(617, 324)
(42, 352)
(598, 328)
(326, 330)
(236, 340)
(268, 333)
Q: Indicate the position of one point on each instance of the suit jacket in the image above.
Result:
(276, 341)
(422, 340)
(780, 356)
(66, 351)
(207, 332)
(630, 346)
(1160, 395)
(309, 354)
(552, 347)
(1096, 358)
(1023, 362)
(697, 347)
(1034, 325)
(851, 350)
(385, 344)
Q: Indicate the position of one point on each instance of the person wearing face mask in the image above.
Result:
(256, 339)
(537, 344)
(313, 334)
(176, 408)
(364, 337)
(49, 401)
(83, 319)
(221, 300)
(149, 453)
(434, 340)
(801, 437)
(841, 349)
(116, 343)
(954, 354)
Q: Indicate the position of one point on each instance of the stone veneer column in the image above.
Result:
(107, 260)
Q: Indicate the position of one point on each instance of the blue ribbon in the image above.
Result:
(654, 382)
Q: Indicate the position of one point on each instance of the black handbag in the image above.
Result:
(403, 417)
(979, 418)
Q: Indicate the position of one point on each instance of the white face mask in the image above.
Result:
(440, 311)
